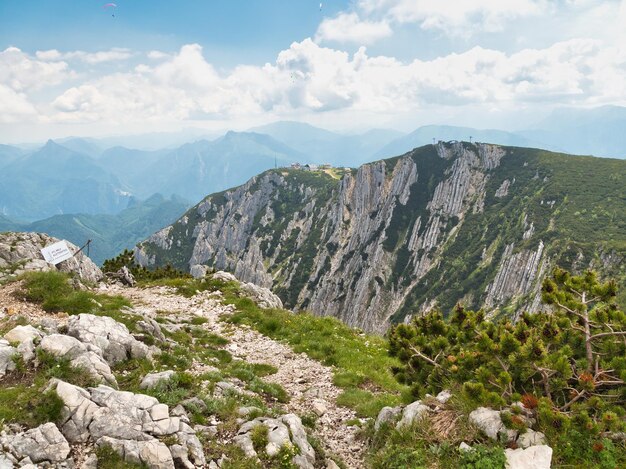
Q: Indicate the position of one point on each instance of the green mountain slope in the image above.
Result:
(476, 223)
(110, 234)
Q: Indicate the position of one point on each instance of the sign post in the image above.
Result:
(57, 252)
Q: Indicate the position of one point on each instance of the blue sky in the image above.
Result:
(230, 31)
(70, 68)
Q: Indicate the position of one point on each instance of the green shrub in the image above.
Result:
(483, 457)
(569, 364)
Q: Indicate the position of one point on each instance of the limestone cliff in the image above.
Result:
(476, 223)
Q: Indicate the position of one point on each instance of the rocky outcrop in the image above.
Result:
(21, 252)
(286, 430)
(517, 274)
(261, 296)
(113, 338)
(128, 423)
(42, 444)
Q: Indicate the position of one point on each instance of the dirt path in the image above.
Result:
(309, 383)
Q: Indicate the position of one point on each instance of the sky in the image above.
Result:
(79, 67)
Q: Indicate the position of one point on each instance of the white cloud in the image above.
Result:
(308, 80)
(455, 16)
(14, 107)
(112, 55)
(20, 72)
(348, 27)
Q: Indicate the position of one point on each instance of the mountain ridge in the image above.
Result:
(409, 233)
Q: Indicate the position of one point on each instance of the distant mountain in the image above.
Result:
(86, 146)
(55, 179)
(425, 135)
(7, 224)
(195, 168)
(110, 234)
(598, 131)
(9, 154)
(324, 146)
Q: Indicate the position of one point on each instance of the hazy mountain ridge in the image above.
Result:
(98, 175)
(481, 224)
(110, 234)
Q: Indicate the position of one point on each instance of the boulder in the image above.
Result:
(531, 438)
(125, 276)
(534, 457)
(320, 407)
(151, 380)
(24, 249)
(306, 458)
(112, 337)
(151, 327)
(444, 396)
(152, 453)
(180, 455)
(261, 296)
(44, 443)
(386, 414)
(194, 404)
(187, 437)
(95, 366)
(80, 356)
(224, 276)
(6, 357)
(5, 462)
(412, 413)
(64, 346)
(198, 271)
(488, 421)
(464, 447)
(285, 430)
(277, 436)
(78, 411)
(245, 411)
(25, 336)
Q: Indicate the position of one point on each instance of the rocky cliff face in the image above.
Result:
(476, 223)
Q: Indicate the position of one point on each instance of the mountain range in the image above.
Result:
(471, 223)
(110, 234)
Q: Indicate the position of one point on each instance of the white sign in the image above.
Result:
(57, 252)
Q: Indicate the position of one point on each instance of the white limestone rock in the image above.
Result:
(531, 438)
(534, 457)
(261, 296)
(152, 380)
(412, 413)
(444, 396)
(23, 334)
(488, 421)
(224, 276)
(63, 346)
(306, 458)
(6, 357)
(44, 443)
(387, 414)
(152, 453)
(112, 337)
